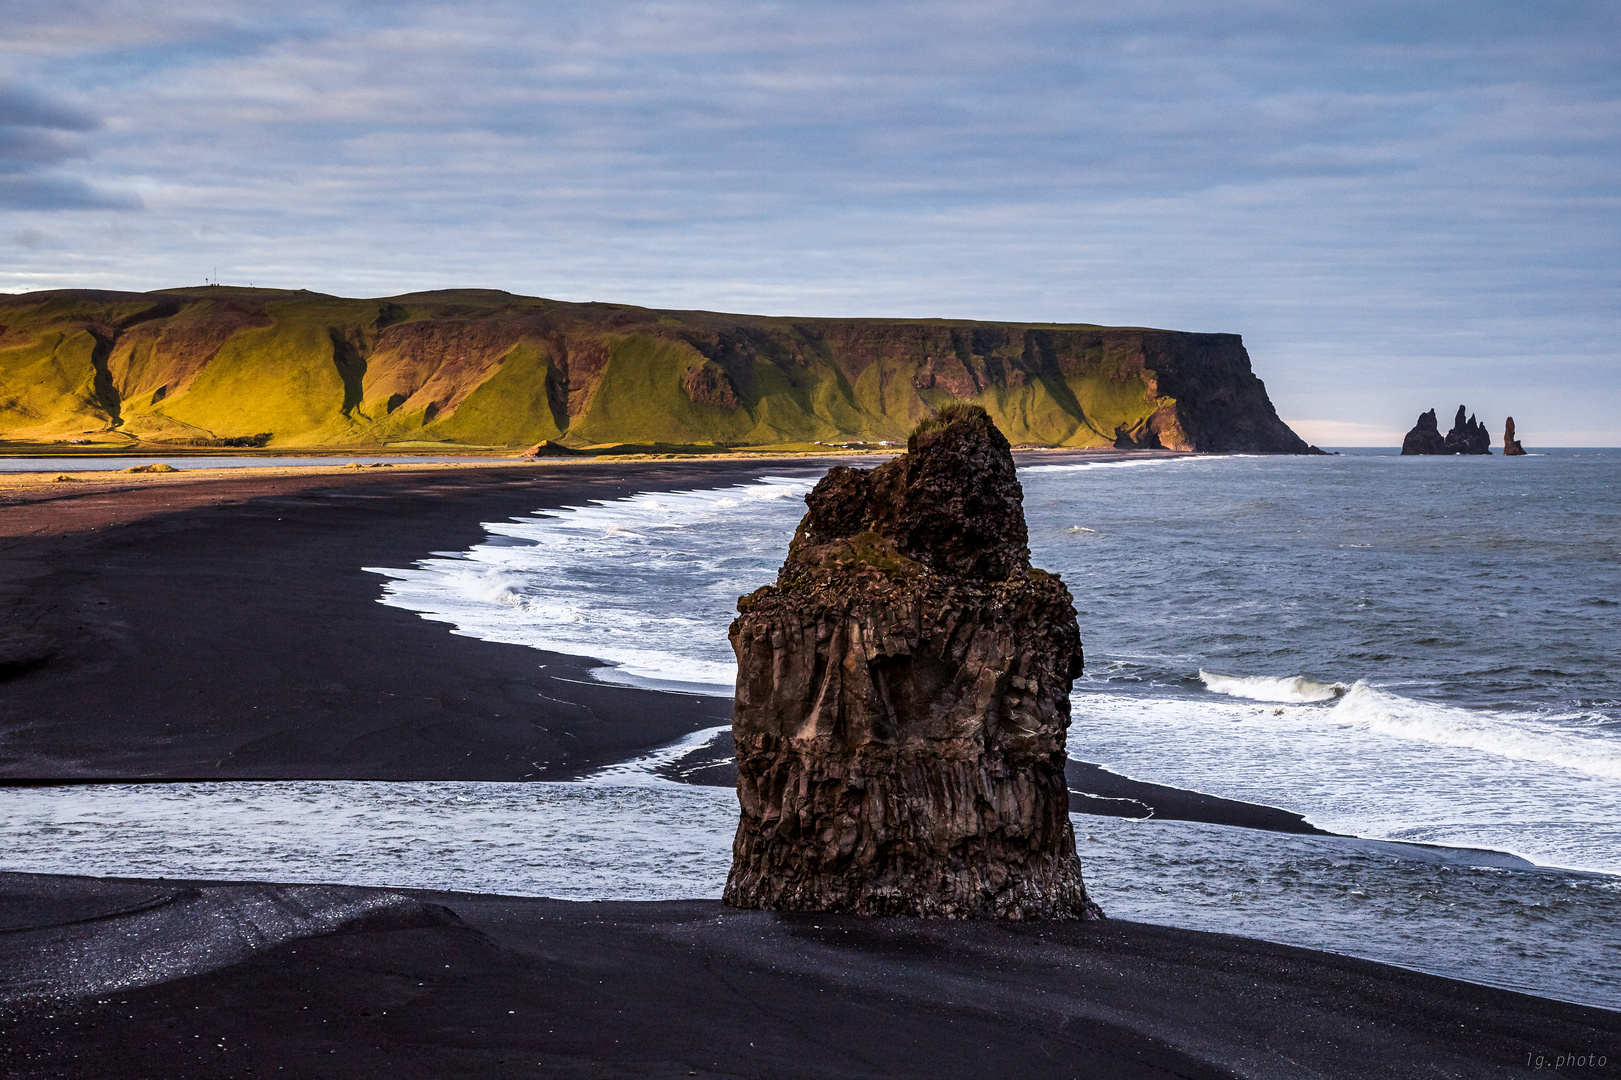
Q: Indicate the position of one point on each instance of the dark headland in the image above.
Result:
(170, 627)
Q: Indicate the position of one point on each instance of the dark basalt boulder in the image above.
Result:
(1466, 437)
(1511, 445)
(903, 697)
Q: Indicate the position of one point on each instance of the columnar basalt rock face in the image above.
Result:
(903, 696)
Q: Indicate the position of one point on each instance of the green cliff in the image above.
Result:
(223, 366)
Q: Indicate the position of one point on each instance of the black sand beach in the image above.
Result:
(234, 634)
(225, 629)
(447, 985)
(211, 629)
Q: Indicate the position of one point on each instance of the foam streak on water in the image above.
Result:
(1347, 777)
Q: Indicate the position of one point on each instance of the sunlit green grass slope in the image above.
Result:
(227, 366)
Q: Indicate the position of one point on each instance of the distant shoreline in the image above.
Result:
(276, 460)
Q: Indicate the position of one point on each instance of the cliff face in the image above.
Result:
(487, 368)
(903, 696)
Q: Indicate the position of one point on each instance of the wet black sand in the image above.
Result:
(1092, 790)
(450, 985)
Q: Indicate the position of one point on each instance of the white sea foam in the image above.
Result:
(647, 583)
(641, 771)
(572, 841)
(1348, 775)
(1293, 688)
(1518, 737)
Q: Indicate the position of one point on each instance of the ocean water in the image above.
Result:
(1411, 649)
(1420, 654)
(629, 834)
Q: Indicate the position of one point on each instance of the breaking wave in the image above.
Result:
(1294, 689)
(1527, 762)
(1506, 735)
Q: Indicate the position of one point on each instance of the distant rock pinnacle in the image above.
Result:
(1468, 436)
(1511, 445)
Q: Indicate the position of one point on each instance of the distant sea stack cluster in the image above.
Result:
(250, 368)
(1468, 436)
(903, 696)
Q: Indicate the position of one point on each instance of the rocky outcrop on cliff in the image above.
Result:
(485, 368)
(1468, 436)
(1139, 436)
(1511, 445)
(903, 697)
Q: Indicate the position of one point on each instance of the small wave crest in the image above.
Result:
(1291, 689)
(1492, 733)
(508, 590)
(1505, 735)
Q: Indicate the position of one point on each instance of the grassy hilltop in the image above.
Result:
(216, 366)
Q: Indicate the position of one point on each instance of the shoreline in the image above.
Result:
(376, 692)
(280, 462)
(91, 606)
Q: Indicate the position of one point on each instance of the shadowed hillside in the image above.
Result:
(217, 366)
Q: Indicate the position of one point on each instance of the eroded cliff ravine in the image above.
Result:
(903, 697)
(482, 368)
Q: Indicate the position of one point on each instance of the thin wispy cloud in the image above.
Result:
(1396, 203)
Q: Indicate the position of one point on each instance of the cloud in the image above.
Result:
(32, 239)
(36, 135)
(22, 108)
(1382, 195)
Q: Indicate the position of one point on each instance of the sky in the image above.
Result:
(1400, 205)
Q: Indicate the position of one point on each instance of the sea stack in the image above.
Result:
(903, 696)
(1511, 445)
(1468, 436)
(1426, 437)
